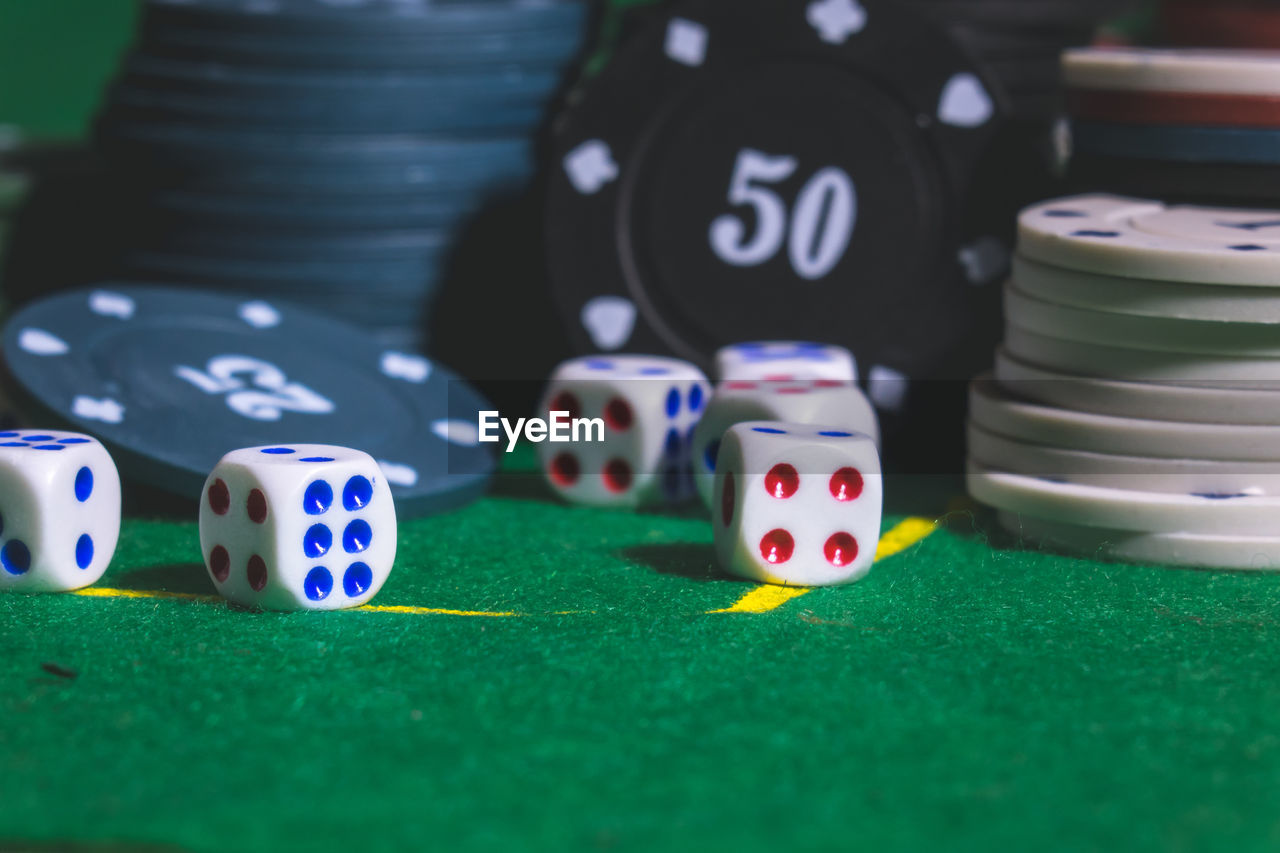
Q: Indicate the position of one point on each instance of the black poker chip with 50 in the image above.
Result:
(779, 170)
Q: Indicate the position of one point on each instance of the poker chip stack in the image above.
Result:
(1221, 23)
(1134, 408)
(1179, 124)
(757, 169)
(1019, 41)
(322, 151)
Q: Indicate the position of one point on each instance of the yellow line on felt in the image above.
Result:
(903, 535)
(898, 538)
(108, 592)
(438, 611)
(764, 598)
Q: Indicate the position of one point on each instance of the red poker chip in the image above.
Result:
(1198, 109)
(1213, 23)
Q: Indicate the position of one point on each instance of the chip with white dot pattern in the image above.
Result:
(1136, 238)
(172, 379)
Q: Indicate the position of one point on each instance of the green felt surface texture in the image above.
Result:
(966, 695)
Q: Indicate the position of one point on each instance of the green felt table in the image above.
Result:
(538, 676)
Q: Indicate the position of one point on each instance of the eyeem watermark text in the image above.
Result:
(560, 427)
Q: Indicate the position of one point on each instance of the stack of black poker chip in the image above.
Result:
(774, 174)
(326, 152)
(1019, 42)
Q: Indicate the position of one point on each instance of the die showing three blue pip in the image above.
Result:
(59, 510)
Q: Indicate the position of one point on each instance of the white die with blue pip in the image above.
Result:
(785, 360)
(649, 406)
(797, 504)
(814, 401)
(298, 527)
(59, 510)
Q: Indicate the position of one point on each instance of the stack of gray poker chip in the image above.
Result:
(326, 151)
(1134, 409)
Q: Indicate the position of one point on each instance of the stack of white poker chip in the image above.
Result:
(1134, 409)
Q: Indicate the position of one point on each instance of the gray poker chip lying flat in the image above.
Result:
(170, 380)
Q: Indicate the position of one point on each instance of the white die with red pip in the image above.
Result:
(298, 527)
(783, 360)
(649, 406)
(59, 510)
(796, 504)
(813, 401)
